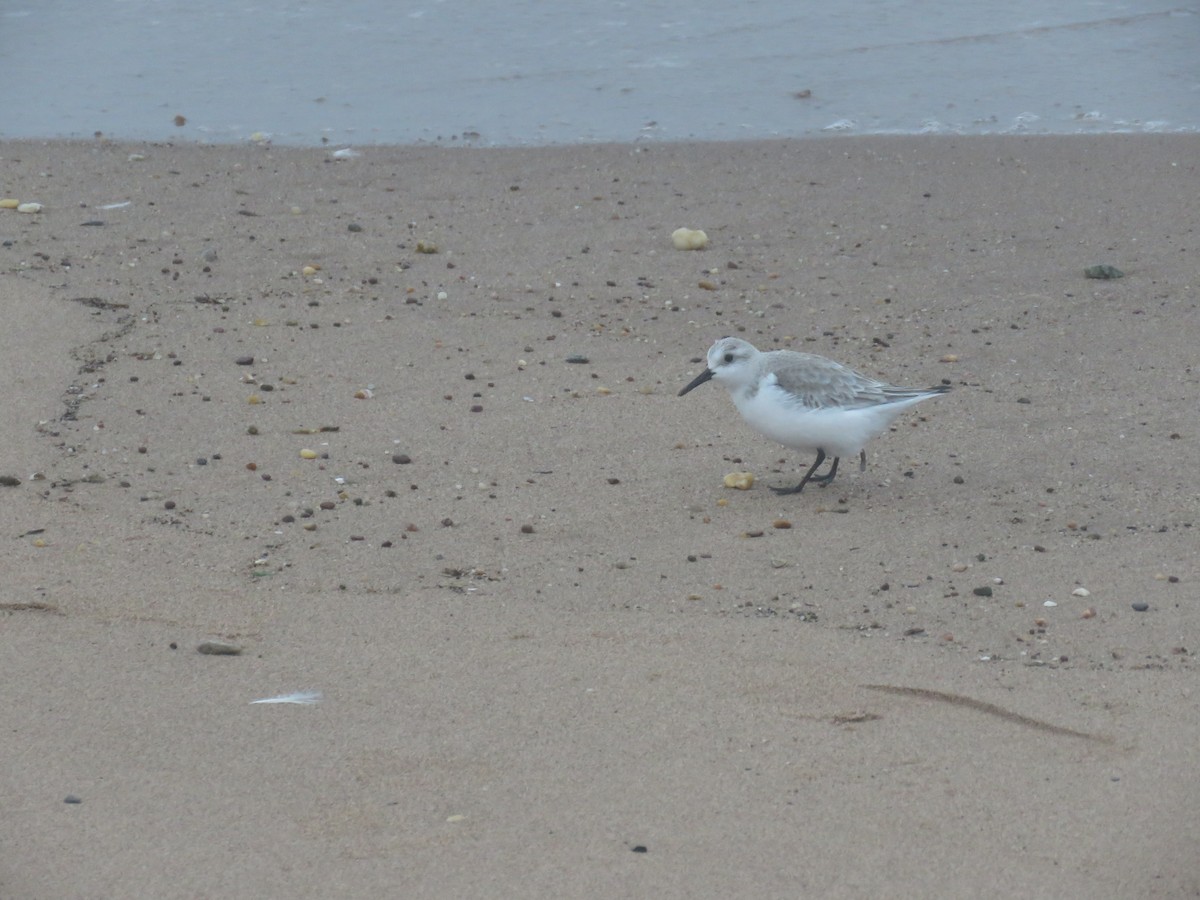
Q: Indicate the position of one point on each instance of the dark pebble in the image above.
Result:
(245, 360)
(526, 529)
(71, 798)
(170, 504)
(219, 648)
(9, 480)
(578, 359)
(401, 459)
(201, 461)
(1141, 607)
(354, 226)
(640, 848)
(984, 591)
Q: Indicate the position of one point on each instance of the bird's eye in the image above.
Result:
(728, 357)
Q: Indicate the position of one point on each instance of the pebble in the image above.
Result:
(1103, 272)
(1049, 603)
(219, 648)
(578, 359)
(1141, 607)
(244, 361)
(9, 480)
(9, 203)
(984, 591)
(1081, 592)
(72, 799)
(741, 481)
(689, 239)
(29, 208)
(306, 453)
(401, 459)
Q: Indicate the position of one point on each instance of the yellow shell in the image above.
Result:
(741, 481)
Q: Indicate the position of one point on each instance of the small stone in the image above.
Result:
(741, 481)
(689, 239)
(244, 361)
(578, 359)
(781, 524)
(427, 247)
(1103, 272)
(72, 799)
(9, 203)
(9, 481)
(526, 529)
(306, 453)
(984, 591)
(170, 504)
(1081, 592)
(1049, 603)
(401, 459)
(219, 648)
(354, 226)
(1141, 607)
(29, 208)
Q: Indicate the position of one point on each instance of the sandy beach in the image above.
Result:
(403, 429)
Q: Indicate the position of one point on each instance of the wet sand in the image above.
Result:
(557, 656)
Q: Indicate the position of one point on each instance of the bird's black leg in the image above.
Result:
(823, 480)
(809, 476)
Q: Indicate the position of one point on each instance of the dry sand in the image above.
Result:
(651, 691)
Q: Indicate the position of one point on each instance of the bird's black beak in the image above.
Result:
(697, 381)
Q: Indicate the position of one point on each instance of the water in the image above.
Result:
(531, 72)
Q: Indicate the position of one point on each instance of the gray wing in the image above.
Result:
(818, 382)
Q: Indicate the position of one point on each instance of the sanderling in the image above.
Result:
(807, 402)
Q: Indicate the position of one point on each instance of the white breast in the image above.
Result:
(838, 431)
